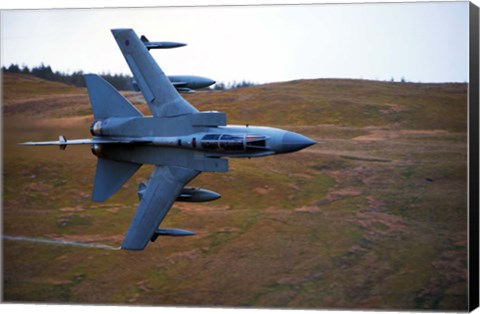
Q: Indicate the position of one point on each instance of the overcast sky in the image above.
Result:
(425, 42)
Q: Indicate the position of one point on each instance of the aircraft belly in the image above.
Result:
(146, 154)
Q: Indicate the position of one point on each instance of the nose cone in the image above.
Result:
(209, 81)
(292, 142)
(202, 82)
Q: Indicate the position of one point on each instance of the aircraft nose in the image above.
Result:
(205, 82)
(292, 142)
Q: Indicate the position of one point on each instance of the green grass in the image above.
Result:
(32, 292)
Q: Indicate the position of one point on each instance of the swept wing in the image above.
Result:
(103, 140)
(163, 188)
(160, 95)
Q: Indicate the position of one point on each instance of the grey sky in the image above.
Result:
(425, 42)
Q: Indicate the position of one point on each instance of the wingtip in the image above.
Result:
(118, 30)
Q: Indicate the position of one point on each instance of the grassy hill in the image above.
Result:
(373, 217)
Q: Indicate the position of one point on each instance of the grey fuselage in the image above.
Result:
(196, 141)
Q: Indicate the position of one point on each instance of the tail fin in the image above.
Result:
(144, 39)
(106, 101)
(111, 175)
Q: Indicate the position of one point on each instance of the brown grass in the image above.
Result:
(373, 217)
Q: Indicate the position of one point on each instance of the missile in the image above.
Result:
(171, 233)
(188, 194)
(184, 83)
(160, 44)
(192, 194)
(187, 83)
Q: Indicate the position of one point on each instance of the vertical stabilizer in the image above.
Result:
(110, 177)
(106, 101)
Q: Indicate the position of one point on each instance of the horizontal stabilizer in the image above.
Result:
(110, 177)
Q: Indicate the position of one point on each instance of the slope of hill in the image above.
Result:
(354, 103)
(373, 217)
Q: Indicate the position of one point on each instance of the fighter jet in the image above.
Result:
(160, 44)
(178, 139)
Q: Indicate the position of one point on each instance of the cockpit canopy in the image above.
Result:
(232, 142)
(256, 141)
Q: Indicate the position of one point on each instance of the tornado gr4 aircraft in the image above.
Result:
(178, 139)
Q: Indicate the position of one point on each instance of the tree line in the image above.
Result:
(233, 85)
(119, 81)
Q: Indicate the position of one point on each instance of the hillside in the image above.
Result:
(354, 103)
(372, 217)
